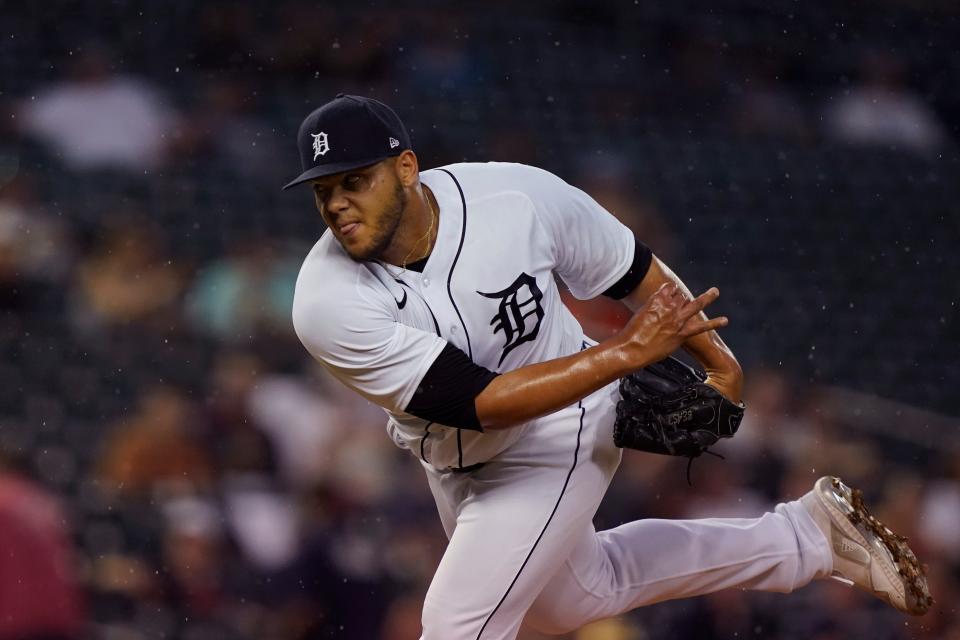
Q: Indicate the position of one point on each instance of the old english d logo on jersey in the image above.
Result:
(519, 314)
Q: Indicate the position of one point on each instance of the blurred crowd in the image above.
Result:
(172, 464)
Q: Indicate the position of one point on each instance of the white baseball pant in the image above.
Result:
(522, 542)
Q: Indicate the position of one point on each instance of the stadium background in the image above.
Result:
(175, 467)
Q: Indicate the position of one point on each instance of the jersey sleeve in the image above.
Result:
(448, 392)
(367, 349)
(592, 250)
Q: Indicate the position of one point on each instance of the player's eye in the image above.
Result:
(351, 182)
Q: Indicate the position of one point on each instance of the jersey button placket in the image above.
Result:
(426, 282)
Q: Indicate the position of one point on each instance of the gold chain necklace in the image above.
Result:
(433, 215)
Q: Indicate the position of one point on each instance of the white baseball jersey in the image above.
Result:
(522, 545)
(488, 288)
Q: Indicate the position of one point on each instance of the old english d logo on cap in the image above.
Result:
(349, 132)
(320, 146)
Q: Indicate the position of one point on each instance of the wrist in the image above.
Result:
(627, 354)
(728, 380)
(727, 368)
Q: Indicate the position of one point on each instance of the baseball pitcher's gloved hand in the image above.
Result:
(667, 408)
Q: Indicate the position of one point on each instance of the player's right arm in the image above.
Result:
(404, 369)
(663, 324)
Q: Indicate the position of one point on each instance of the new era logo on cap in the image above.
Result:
(347, 133)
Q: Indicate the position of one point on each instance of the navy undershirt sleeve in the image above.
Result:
(447, 392)
(642, 257)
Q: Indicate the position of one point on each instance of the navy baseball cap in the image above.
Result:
(346, 133)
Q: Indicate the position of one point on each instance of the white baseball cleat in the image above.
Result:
(865, 552)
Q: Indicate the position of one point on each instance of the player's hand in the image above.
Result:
(665, 322)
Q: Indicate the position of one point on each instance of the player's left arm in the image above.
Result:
(723, 370)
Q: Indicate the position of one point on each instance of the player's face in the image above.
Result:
(362, 207)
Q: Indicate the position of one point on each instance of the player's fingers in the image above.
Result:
(699, 303)
(695, 326)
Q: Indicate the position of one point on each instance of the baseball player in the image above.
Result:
(434, 295)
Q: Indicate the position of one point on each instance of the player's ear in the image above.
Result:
(407, 168)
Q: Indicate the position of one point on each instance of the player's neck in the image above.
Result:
(417, 232)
